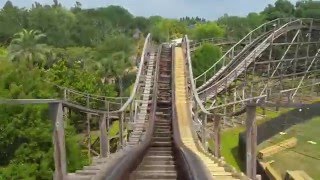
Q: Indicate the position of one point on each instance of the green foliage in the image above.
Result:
(3, 53)
(207, 30)
(26, 46)
(141, 23)
(73, 55)
(12, 20)
(78, 79)
(26, 131)
(281, 9)
(193, 20)
(238, 27)
(26, 148)
(55, 22)
(204, 57)
(168, 29)
(308, 9)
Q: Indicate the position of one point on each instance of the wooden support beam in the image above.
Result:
(56, 115)
(108, 128)
(251, 139)
(89, 136)
(103, 136)
(204, 133)
(121, 121)
(217, 136)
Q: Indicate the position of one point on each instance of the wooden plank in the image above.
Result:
(251, 146)
(56, 115)
(269, 151)
(217, 137)
(103, 136)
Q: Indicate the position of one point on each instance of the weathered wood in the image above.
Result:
(88, 129)
(103, 136)
(217, 136)
(266, 152)
(56, 114)
(108, 128)
(89, 135)
(297, 175)
(251, 139)
(204, 133)
(121, 129)
(272, 173)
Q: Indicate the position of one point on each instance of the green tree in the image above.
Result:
(55, 21)
(26, 46)
(26, 131)
(308, 9)
(281, 9)
(114, 57)
(204, 57)
(12, 20)
(207, 30)
(236, 27)
(141, 23)
(168, 29)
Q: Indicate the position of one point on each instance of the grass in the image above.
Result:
(230, 139)
(114, 129)
(304, 156)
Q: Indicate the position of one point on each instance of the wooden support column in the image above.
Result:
(107, 134)
(107, 105)
(217, 136)
(65, 109)
(56, 115)
(103, 136)
(131, 111)
(196, 114)
(121, 121)
(251, 139)
(89, 135)
(204, 133)
(88, 130)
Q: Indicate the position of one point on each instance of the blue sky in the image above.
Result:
(209, 9)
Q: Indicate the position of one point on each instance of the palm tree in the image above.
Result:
(115, 66)
(26, 47)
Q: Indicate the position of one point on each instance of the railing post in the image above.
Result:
(103, 135)
(108, 128)
(88, 128)
(121, 120)
(131, 111)
(196, 115)
(251, 139)
(217, 137)
(56, 115)
(204, 133)
(65, 109)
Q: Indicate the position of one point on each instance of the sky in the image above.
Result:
(209, 9)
